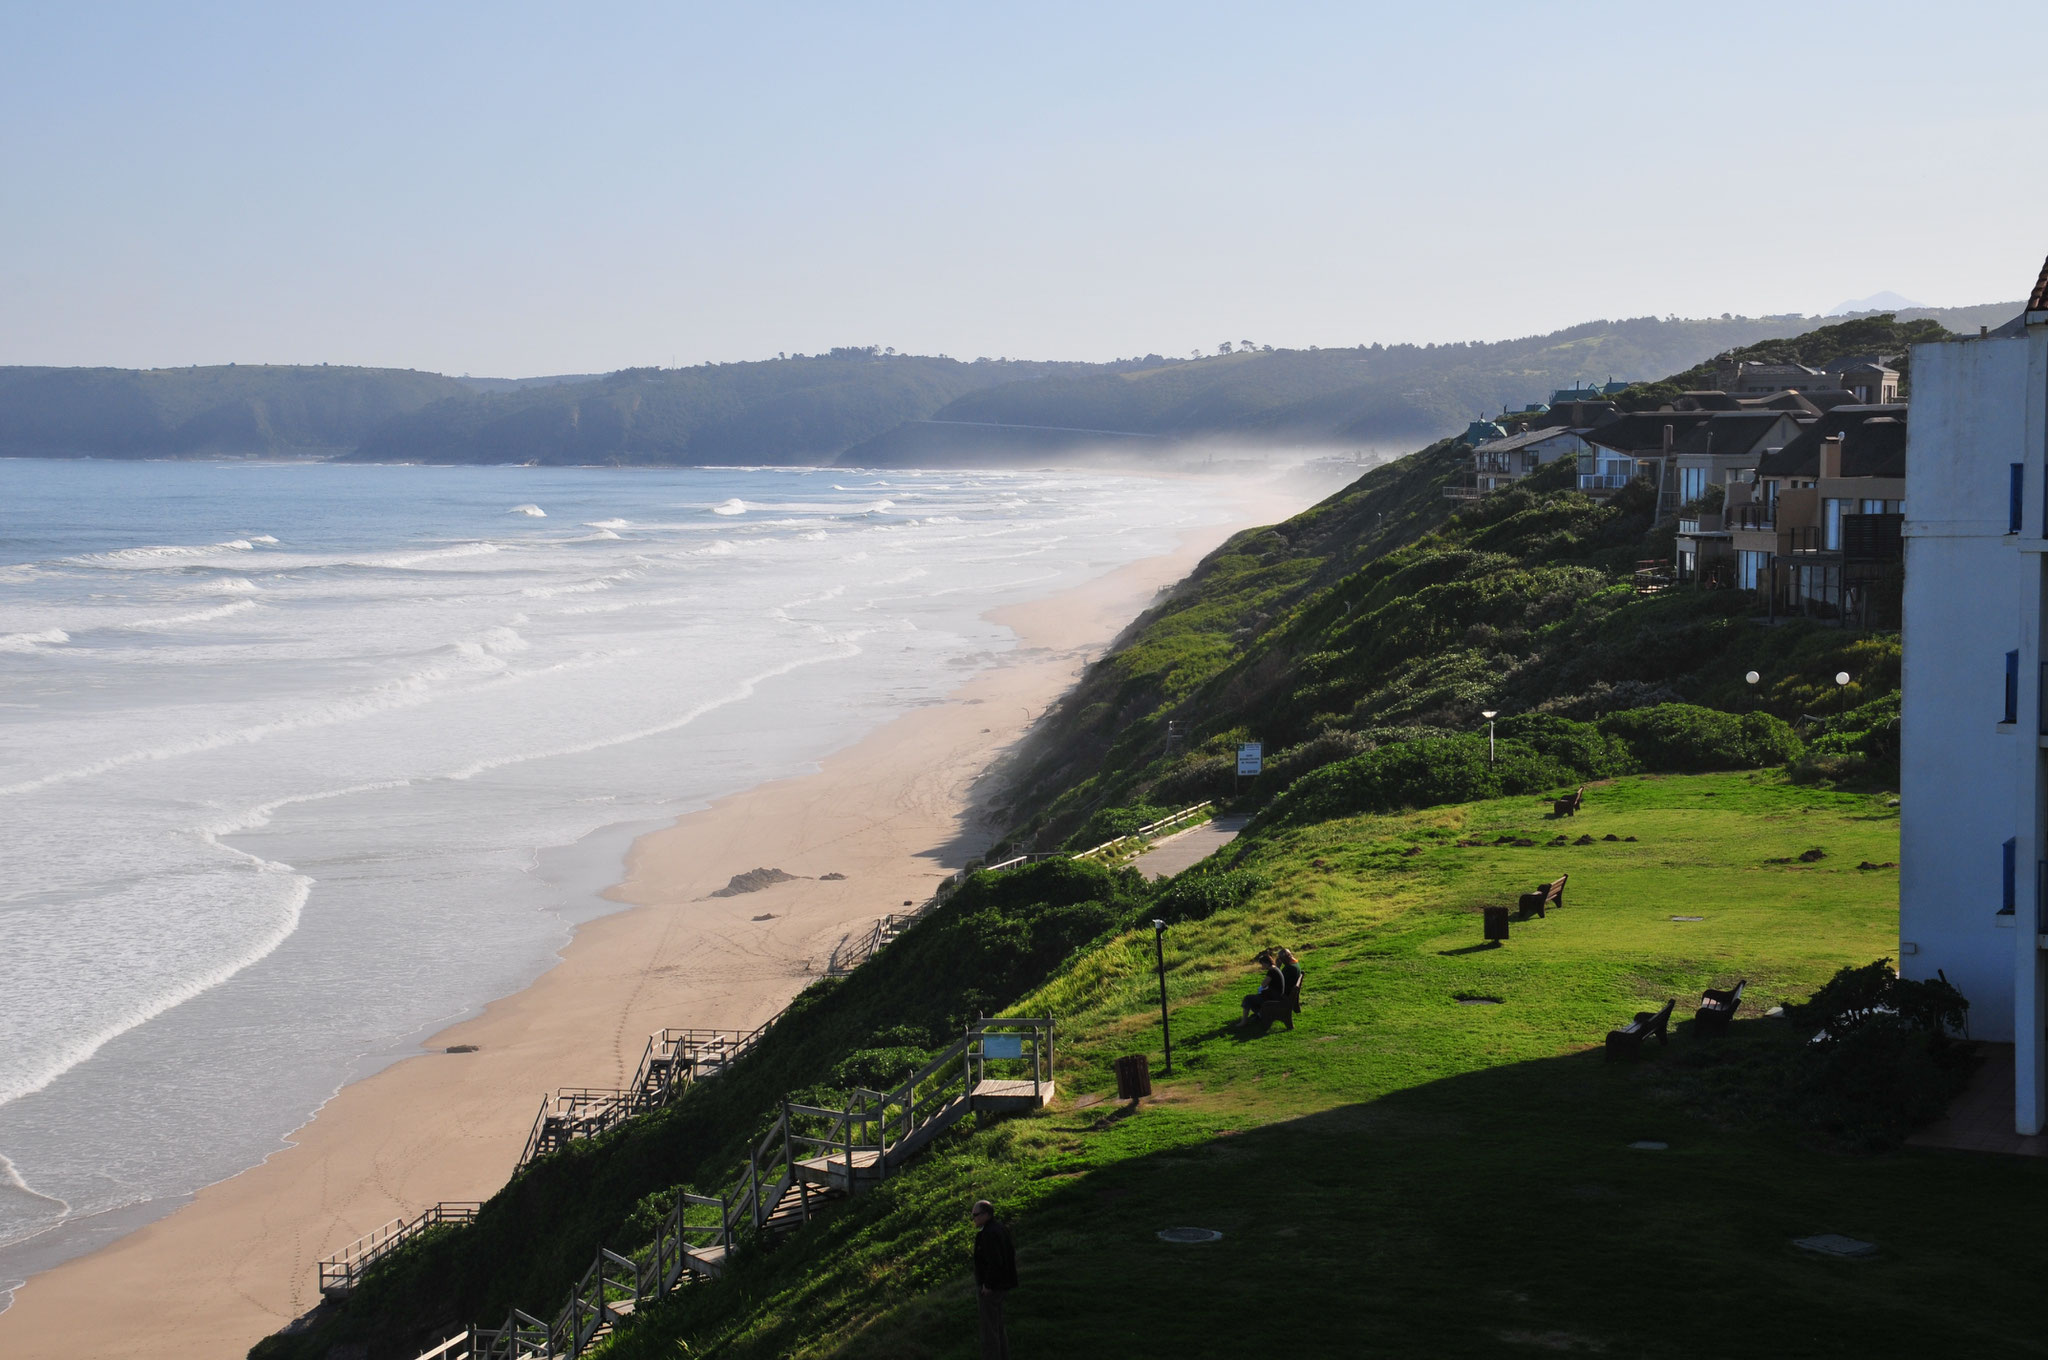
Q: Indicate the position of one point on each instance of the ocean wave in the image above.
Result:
(219, 611)
(607, 524)
(174, 552)
(481, 654)
(232, 585)
(731, 506)
(530, 511)
(29, 642)
(743, 690)
(298, 887)
(404, 560)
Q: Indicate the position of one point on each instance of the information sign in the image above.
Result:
(1251, 756)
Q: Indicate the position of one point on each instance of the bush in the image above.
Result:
(1887, 1060)
(1594, 754)
(1418, 774)
(1687, 739)
(1111, 823)
(1196, 896)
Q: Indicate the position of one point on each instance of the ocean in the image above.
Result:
(300, 763)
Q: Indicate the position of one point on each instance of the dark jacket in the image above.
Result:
(1290, 978)
(995, 1257)
(1275, 985)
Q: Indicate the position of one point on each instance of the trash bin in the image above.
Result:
(1496, 923)
(1133, 1077)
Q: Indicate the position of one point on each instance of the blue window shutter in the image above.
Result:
(2012, 687)
(2010, 902)
(2012, 513)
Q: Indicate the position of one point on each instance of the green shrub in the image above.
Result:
(1583, 747)
(1886, 1060)
(1111, 823)
(1687, 739)
(1418, 774)
(1196, 896)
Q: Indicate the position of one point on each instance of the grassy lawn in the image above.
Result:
(1403, 1174)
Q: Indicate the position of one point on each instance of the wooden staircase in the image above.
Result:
(809, 1157)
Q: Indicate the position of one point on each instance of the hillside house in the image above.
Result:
(1973, 877)
(1501, 462)
(1816, 529)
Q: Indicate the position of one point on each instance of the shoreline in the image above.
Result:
(895, 811)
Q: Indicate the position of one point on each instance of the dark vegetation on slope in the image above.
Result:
(237, 409)
(1387, 614)
(1880, 334)
(991, 942)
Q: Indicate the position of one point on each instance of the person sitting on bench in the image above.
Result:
(1290, 973)
(1272, 988)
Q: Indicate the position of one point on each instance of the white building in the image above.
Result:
(1973, 860)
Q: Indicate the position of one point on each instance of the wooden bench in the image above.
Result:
(1629, 1038)
(1568, 807)
(1718, 1008)
(1284, 1009)
(1551, 894)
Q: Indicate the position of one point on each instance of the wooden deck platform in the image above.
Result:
(1007, 1097)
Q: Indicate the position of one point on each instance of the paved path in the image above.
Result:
(1168, 857)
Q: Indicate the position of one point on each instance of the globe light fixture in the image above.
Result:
(1489, 714)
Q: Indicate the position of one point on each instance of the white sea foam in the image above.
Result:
(531, 511)
(732, 506)
(607, 523)
(29, 642)
(219, 611)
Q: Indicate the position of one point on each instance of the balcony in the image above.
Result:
(1754, 516)
(1604, 481)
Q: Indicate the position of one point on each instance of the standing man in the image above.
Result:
(995, 1275)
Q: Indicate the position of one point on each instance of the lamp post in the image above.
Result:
(1489, 714)
(1750, 679)
(1165, 1025)
(1842, 690)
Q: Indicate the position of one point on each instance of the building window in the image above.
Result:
(1749, 567)
(2012, 687)
(2012, 509)
(2010, 902)
(1831, 524)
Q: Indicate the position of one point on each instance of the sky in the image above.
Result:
(509, 190)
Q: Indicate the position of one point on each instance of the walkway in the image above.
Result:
(1980, 1120)
(1168, 857)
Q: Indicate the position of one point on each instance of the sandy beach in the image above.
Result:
(894, 813)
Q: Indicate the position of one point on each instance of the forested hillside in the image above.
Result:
(802, 410)
(1378, 396)
(236, 410)
(865, 406)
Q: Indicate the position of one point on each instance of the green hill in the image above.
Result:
(856, 405)
(1437, 1147)
(236, 410)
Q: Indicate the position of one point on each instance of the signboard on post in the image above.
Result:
(1251, 757)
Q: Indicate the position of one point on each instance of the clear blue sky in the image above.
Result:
(513, 189)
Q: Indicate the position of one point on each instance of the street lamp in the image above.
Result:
(1165, 1025)
(1750, 679)
(1489, 714)
(1842, 688)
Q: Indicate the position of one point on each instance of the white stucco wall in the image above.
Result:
(1967, 778)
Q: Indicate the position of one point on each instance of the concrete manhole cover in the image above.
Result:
(1190, 1235)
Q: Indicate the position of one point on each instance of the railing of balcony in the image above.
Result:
(1755, 516)
(1604, 481)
